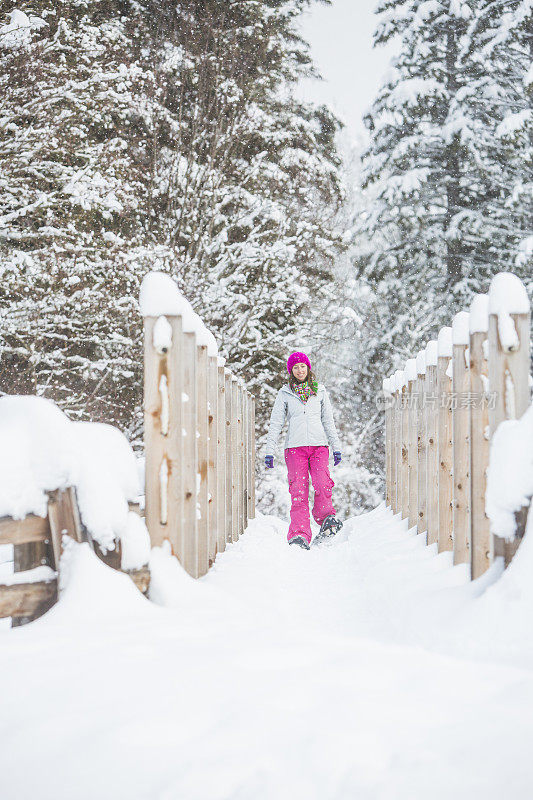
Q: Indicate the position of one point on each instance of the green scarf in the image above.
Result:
(305, 390)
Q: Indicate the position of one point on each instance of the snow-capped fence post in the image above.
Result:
(212, 457)
(509, 366)
(234, 459)
(252, 457)
(240, 457)
(221, 459)
(410, 376)
(398, 440)
(246, 424)
(388, 448)
(202, 475)
(444, 440)
(189, 548)
(244, 461)
(229, 454)
(479, 440)
(421, 443)
(163, 412)
(404, 447)
(251, 434)
(431, 413)
(394, 454)
(461, 439)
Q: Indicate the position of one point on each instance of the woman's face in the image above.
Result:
(300, 371)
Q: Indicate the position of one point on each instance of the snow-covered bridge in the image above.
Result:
(371, 666)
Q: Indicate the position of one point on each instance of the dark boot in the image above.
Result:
(300, 541)
(330, 526)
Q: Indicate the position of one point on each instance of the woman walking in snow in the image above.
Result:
(305, 403)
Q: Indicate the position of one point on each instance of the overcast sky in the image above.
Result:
(340, 36)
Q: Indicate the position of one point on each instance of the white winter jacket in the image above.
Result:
(310, 423)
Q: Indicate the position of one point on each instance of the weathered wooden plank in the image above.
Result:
(64, 519)
(250, 469)
(431, 411)
(212, 455)
(235, 459)
(22, 531)
(140, 577)
(445, 455)
(229, 454)
(163, 437)
(252, 515)
(461, 445)
(202, 426)
(388, 441)
(422, 447)
(479, 440)
(393, 432)
(190, 456)
(25, 601)
(508, 381)
(404, 504)
(413, 452)
(221, 461)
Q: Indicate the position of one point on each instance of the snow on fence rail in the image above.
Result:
(62, 478)
(443, 411)
(199, 432)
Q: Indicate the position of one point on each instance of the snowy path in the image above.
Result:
(366, 668)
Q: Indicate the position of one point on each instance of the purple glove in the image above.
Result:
(336, 458)
(269, 462)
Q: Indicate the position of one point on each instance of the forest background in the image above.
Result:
(147, 135)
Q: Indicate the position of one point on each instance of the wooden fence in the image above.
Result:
(37, 543)
(200, 476)
(199, 437)
(442, 411)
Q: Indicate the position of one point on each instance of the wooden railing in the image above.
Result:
(199, 433)
(441, 412)
(38, 543)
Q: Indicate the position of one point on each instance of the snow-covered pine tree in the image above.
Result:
(156, 136)
(492, 117)
(71, 191)
(415, 168)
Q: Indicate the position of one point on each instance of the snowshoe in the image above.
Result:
(330, 526)
(300, 541)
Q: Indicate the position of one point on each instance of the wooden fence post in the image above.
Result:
(212, 458)
(230, 494)
(253, 458)
(461, 439)
(431, 414)
(202, 475)
(479, 440)
(190, 455)
(240, 429)
(221, 459)
(388, 443)
(250, 469)
(235, 459)
(404, 428)
(399, 381)
(509, 365)
(245, 455)
(163, 423)
(410, 374)
(444, 439)
(394, 455)
(421, 444)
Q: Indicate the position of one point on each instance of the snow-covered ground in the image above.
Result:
(368, 667)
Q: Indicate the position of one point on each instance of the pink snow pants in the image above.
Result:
(300, 462)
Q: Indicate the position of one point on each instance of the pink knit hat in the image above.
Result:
(297, 358)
